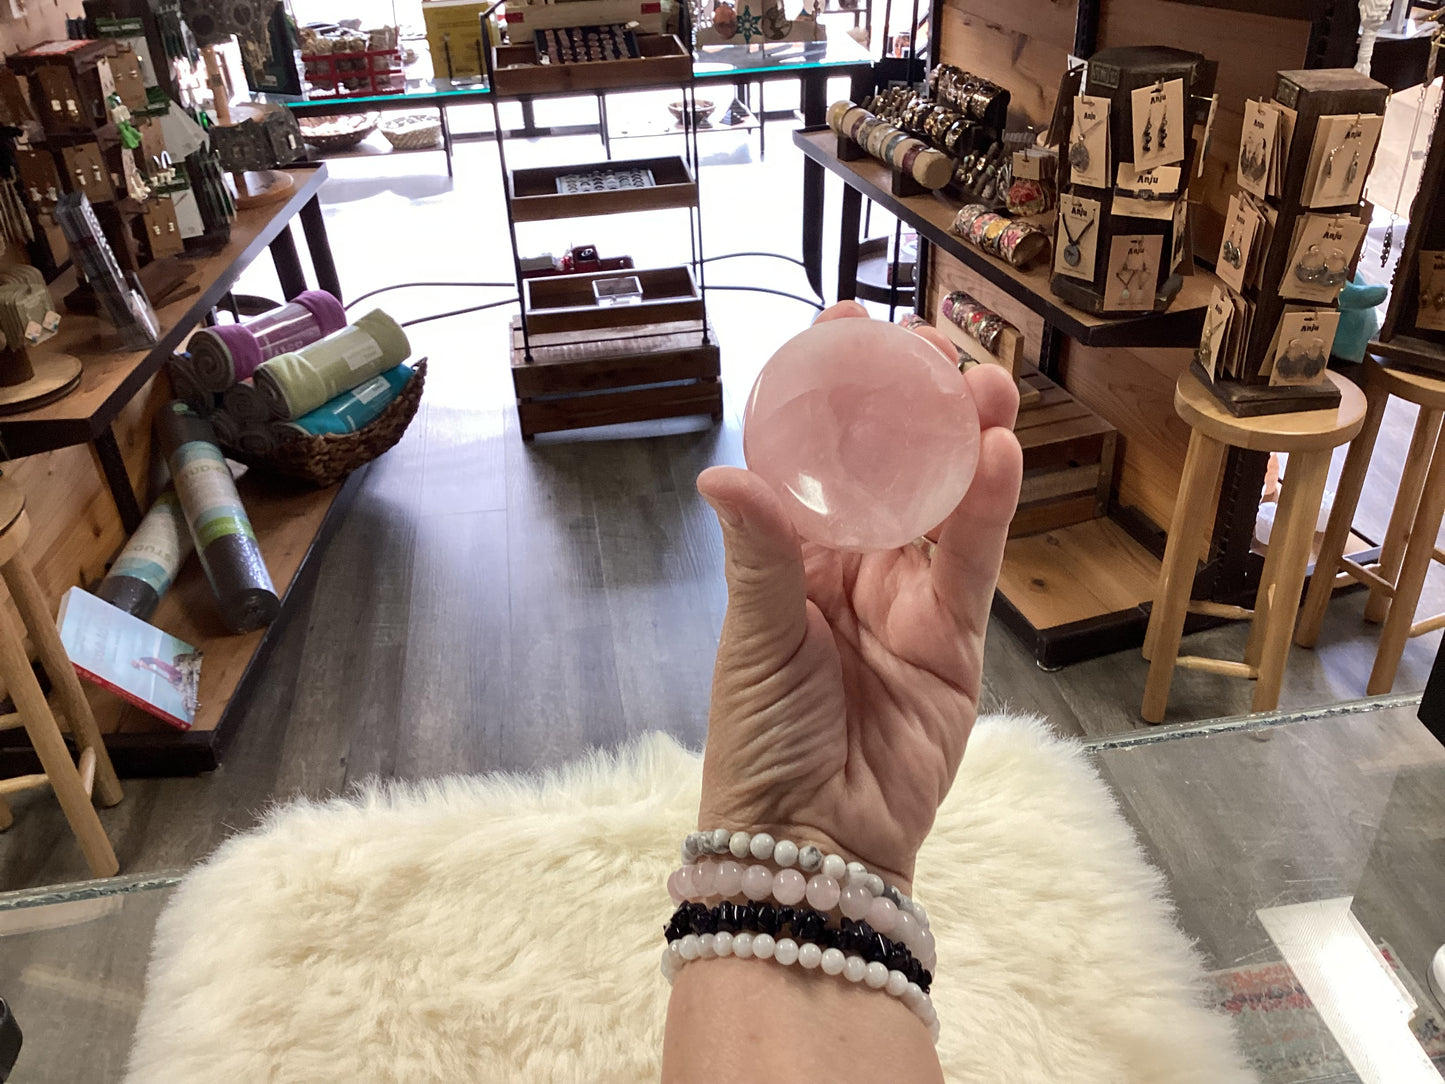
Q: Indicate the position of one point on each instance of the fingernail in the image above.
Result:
(726, 514)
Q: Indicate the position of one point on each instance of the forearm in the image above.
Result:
(757, 1022)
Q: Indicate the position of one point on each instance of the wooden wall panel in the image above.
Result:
(44, 20)
(1023, 45)
(945, 274)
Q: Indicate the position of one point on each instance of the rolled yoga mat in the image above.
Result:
(218, 522)
(229, 353)
(228, 430)
(185, 386)
(246, 404)
(147, 566)
(351, 410)
(299, 382)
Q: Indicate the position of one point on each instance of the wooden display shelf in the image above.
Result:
(562, 303)
(664, 62)
(931, 215)
(535, 197)
(580, 379)
(292, 523)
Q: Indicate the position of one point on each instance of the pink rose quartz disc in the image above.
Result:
(865, 430)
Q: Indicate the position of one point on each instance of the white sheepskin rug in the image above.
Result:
(509, 929)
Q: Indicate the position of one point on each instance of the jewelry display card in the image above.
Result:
(1241, 224)
(1133, 272)
(1284, 139)
(1319, 262)
(1180, 246)
(1158, 113)
(1076, 251)
(1263, 241)
(1340, 158)
(1431, 315)
(1302, 344)
(1216, 328)
(1159, 210)
(1089, 142)
(1257, 145)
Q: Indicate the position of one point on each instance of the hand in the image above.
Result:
(847, 684)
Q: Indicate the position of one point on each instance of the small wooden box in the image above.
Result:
(535, 197)
(664, 62)
(568, 303)
(1068, 460)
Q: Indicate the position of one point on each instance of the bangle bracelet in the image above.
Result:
(807, 955)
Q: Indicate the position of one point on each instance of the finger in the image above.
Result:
(995, 395)
(970, 547)
(843, 310)
(938, 339)
(767, 588)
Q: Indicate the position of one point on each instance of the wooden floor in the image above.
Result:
(493, 605)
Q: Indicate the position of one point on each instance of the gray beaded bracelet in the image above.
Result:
(808, 858)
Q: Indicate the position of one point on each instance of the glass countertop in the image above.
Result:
(722, 61)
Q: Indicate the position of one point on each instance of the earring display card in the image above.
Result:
(1133, 272)
(1158, 115)
(1320, 258)
(1258, 143)
(1180, 245)
(1340, 158)
(1089, 142)
(1241, 225)
(1076, 251)
(1431, 314)
(1301, 347)
(1146, 193)
(1216, 330)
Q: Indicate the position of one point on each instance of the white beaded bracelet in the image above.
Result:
(808, 858)
(786, 951)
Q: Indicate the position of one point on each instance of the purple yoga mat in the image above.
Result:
(229, 353)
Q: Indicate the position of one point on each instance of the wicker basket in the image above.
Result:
(413, 133)
(342, 132)
(325, 460)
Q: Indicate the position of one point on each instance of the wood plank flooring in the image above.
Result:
(493, 605)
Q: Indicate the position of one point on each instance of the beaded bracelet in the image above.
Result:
(808, 858)
(808, 955)
(853, 938)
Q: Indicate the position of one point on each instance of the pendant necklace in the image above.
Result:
(1389, 240)
(1079, 156)
(1127, 280)
(1073, 256)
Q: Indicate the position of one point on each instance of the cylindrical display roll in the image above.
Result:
(185, 386)
(263, 439)
(229, 353)
(224, 539)
(147, 566)
(228, 430)
(352, 409)
(246, 404)
(301, 381)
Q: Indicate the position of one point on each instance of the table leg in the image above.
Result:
(446, 138)
(319, 245)
(815, 112)
(288, 263)
(848, 244)
(112, 465)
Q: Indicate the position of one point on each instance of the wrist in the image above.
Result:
(898, 875)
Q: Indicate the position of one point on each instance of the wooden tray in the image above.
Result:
(535, 197)
(664, 62)
(566, 302)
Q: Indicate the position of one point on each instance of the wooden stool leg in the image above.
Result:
(1176, 575)
(6, 817)
(1342, 517)
(40, 623)
(50, 747)
(1304, 488)
(1407, 503)
(1416, 563)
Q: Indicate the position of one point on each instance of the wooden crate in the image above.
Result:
(578, 379)
(1068, 460)
(535, 197)
(567, 302)
(664, 62)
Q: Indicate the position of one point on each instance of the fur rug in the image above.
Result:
(507, 929)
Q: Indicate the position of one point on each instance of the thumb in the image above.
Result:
(767, 588)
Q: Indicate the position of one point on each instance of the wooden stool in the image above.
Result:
(1409, 544)
(72, 783)
(1308, 437)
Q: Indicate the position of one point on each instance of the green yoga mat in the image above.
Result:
(147, 566)
(299, 382)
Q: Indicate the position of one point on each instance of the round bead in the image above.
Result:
(674, 886)
(857, 872)
(822, 893)
(761, 847)
(927, 948)
(789, 887)
(720, 838)
(786, 952)
(906, 929)
(854, 968)
(809, 956)
(763, 946)
(882, 916)
(875, 885)
(729, 878)
(833, 961)
(722, 943)
(935, 1029)
(785, 852)
(877, 975)
(704, 879)
(809, 858)
(834, 867)
(706, 946)
(687, 855)
(739, 844)
(689, 948)
(897, 983)
(855, 902)
(757, 882)
(743, 945)
(920, 914)
(913, 996)
(685, 882)
(690, 846)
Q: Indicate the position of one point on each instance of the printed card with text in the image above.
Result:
(1340, 158)
(1077, 248)
(1240, 225)
(1302, 347)
(1158, 115)
(1089, 142)
(1216, 330)
(1180, 245)
(1257, 144)
(1319, 263)
(1133, 272)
